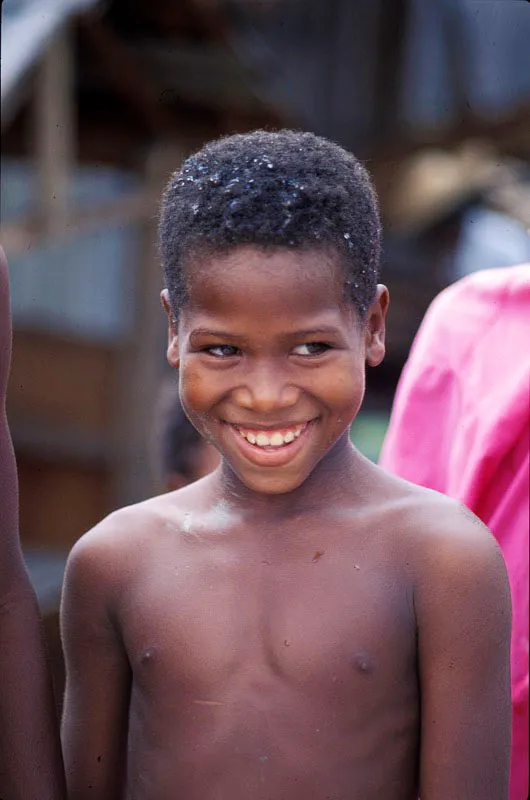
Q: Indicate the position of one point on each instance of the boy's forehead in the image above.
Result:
(256, 268)
(294, 288)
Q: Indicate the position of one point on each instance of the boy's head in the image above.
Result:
(270, 244)
(181, 455)
(286, 189)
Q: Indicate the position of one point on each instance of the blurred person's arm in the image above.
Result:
(30, 759)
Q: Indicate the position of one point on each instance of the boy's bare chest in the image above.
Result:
(320, 620)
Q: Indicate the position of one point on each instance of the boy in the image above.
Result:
(299, 624)
(181, 455)
(30, 757)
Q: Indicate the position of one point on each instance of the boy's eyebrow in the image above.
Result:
(214, 333)
(322, 330)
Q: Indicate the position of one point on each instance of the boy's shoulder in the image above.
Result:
(436, 534)
(123, 539)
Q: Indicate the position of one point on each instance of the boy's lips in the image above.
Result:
(273, 446)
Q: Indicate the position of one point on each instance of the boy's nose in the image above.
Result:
(265, 391)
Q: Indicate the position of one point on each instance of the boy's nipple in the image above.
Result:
(362, 663)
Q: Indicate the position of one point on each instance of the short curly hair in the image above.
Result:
(272, 189)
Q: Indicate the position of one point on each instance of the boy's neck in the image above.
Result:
(343, 466)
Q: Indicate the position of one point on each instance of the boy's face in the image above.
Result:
(272, 361)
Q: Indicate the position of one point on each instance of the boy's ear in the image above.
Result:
(172, 333)
(375, 327)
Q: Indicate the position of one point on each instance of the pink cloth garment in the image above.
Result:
(461, 425)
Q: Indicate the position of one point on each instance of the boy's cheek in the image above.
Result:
(197, 391)
(198, 397)
(345, 391)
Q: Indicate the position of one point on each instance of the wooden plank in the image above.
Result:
(142, 361)
(61, 443)
(59, 502)
(55, 382)
(55, 132)
(135, 207)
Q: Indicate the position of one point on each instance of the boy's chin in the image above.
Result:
(271, 484)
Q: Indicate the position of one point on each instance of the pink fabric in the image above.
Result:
(461, 425)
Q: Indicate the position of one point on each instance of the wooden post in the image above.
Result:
(55, 131)
(141, 362)
(134, 207)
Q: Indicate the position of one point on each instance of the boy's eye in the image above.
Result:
(222, 350)
(311, 349)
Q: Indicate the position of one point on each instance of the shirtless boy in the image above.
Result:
(30, 760)
(299, 625)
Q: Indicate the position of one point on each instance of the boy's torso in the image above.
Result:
(280, 669)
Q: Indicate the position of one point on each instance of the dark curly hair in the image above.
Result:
(272, 189)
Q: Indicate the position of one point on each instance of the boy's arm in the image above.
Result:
(30, 756)
(463, 610)
(95, 718)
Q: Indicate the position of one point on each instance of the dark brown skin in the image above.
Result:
(30, 759)
(270, 631)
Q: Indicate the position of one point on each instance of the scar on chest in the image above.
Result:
(362, 663)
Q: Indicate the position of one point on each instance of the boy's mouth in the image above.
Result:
(274, 447)
(272, 439)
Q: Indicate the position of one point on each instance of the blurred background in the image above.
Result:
(101, 101)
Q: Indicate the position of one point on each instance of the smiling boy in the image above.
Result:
(299, 624)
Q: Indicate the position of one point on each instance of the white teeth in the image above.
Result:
(273, 439)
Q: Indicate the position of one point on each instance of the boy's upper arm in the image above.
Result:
(463, 609)
(94, 729)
